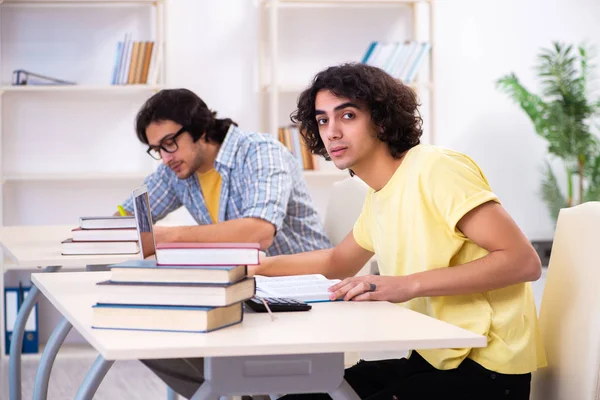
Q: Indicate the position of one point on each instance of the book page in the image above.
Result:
(308, 288)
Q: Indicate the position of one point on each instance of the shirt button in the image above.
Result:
(493, 376)
(506, 392)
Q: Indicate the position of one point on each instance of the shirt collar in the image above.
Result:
(229, 147)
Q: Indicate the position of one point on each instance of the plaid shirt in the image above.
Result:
(260, 179)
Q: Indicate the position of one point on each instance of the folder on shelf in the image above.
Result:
(13, 299)
(21, 77)
(30, 338)
(11, 308)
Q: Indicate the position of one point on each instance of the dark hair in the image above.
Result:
(185, 108)
(393, 105)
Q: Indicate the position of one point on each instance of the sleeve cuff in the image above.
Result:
(469, 204)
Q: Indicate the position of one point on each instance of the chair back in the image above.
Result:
(343, 208)
(570, 309)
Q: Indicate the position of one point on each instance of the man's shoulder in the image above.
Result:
(255, 144)
(252, 138)
(435, 158)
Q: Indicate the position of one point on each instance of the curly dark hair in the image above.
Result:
(393, 105)
(185, 108)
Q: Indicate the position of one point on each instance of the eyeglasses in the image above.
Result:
(168, 144)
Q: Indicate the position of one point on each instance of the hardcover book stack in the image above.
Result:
(193, 287)
(103, 235)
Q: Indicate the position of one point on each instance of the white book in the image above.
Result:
(308, 288)
(107, 222)
(104, 235)
(70, 247)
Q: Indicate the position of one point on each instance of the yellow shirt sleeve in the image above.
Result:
(361, 230)
(454, 185)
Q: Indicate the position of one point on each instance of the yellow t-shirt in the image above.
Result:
(210, 183)
(410, 224)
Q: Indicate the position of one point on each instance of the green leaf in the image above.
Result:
(551, 193)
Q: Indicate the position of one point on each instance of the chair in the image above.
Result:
(343, 208)
(570, 309)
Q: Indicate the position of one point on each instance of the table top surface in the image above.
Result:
(40, 246)
(331, 327)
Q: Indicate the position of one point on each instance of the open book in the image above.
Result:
(308, 288)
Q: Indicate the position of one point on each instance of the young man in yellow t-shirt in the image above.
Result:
(444, 244)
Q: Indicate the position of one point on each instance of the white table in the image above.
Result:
(36, 248)
(295, 353)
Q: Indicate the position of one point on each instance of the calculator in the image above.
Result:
(277, 304)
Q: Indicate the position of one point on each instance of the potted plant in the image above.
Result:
(563, 115)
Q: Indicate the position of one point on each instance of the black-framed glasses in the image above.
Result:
(168, 144)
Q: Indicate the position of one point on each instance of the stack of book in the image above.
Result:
(103, 235)
(194, 287)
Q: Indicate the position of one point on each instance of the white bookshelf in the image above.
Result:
(274, 85)
(73, 40)
(114, 176)
(115, 89)
(70, 150)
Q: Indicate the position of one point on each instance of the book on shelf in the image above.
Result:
(135, 62)
(291, 138)
(400, 60)
(107, 222)
(104, 234)
(150, 271)
(192, 253)
(308, 288)
(165, 318)
(70, 247)
(175, 294)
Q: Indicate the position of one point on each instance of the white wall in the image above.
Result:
(212, 50)
(477, 42)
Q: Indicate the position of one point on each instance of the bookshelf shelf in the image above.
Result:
(343, 3)
(76, 2)
(82, 88)
(113, 176)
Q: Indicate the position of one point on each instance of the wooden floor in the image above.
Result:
(129, 380)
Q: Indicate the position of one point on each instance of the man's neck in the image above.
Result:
(378, 170)
(210, 152)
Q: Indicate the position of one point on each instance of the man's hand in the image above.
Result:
(262, 260)
(164, 234)
(396, 289)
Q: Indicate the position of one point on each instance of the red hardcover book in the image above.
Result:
(193, 253)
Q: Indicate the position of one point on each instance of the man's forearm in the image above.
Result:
(496, 270)
(243, 230)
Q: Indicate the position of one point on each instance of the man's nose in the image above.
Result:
(333, 131)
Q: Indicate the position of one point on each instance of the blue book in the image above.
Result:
(149, 271)
(165, 318)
